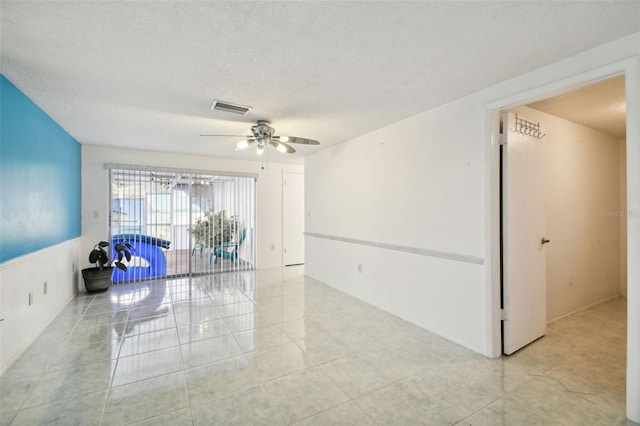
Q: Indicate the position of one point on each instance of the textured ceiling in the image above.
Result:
(600, 106)
(143, 74)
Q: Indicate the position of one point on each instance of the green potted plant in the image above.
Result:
(98, 278)
(214, 229)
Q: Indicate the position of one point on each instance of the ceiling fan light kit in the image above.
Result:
(263, 135)
(242, 145)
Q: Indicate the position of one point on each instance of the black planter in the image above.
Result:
(97, 280)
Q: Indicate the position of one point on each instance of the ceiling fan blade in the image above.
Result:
(283, 147)
(230, 136)
(304, 141)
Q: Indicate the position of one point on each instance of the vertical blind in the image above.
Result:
(182, 222)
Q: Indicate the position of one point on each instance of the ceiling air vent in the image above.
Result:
(229, 107)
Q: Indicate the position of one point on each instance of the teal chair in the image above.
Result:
(228, 250)
(199, 247)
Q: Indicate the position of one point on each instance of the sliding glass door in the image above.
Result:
(182, 222)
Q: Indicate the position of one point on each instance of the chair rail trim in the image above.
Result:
(458, 257)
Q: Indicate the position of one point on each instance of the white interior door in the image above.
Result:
(523, 226)
(293, 218)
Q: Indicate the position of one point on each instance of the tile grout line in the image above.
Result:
(243, 354)
(363, 410)
(184, 370)
(527, 404)
(113, 374)
(45, 367)
(275, 407)
(263, 382)
(572, 392)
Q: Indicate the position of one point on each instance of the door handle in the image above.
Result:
(544, 241)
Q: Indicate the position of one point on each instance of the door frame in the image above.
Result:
(630, 68)
(285, 213)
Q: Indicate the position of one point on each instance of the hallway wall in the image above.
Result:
(416, 184)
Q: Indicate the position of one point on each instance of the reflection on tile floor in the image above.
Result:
(272, 347)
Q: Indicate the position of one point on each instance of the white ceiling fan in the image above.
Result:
(263, 135)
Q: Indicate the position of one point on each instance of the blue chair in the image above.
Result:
(196, 246)
(144, 247)
(228, 250)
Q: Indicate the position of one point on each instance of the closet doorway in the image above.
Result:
(564, 206)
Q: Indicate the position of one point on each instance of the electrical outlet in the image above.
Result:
(360, 268)
(96, 214)
(273, 246)
(44, 288)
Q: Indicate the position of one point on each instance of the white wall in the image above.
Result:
(582, 203)
(416, 183)
(57, 266)
(95, 193)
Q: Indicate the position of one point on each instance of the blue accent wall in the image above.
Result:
(39, 177)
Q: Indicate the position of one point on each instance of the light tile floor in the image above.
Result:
(272, 347)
